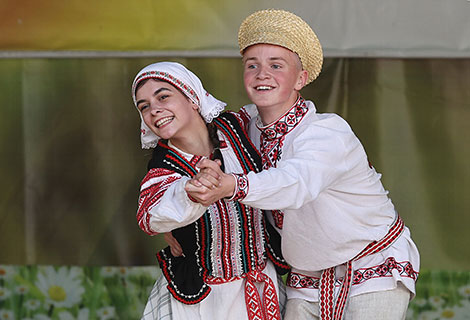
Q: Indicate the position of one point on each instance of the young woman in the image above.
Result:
(225, 271)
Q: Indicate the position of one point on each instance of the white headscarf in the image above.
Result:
(183, 79)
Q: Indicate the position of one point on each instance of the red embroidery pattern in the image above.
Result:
(152, 194)
(268, 308)
(167, 77)
(241, 186)
(404, 268)
(326, 286)
(272, 140)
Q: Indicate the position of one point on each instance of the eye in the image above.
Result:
(250, 66)
(143, 107)
(276, 66)
(163, 97)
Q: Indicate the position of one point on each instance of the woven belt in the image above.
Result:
(268, 308)
(331, 310)
(265, 308)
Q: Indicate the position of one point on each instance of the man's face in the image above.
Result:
(272, 76)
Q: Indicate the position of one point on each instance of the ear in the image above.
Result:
(194, 106)
(302, 80)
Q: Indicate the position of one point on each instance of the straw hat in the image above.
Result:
(285, 29)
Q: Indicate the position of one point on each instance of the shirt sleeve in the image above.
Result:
(164, 204)
(309, 164)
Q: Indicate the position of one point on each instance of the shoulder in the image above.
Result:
(327, 121)
(327, 129)
(158, 177)
(249, 110)
(243, 116)
(158, 154)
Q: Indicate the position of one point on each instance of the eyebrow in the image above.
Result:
(154, 94)
(270, 59)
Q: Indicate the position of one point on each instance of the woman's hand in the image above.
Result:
(210, 184)
(175, 247)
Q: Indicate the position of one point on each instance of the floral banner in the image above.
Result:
(70, 292)
(82, 293)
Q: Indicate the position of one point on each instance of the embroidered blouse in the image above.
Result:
(222, 242)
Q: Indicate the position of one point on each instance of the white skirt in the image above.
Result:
(225, 301)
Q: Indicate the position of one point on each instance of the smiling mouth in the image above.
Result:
(263, 88)
(163, 121)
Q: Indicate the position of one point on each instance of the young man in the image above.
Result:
(350, 253)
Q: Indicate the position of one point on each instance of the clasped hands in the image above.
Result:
(208, 186)
(211, 183)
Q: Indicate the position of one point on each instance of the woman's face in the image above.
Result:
(165, 110)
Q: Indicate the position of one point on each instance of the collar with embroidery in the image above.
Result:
(285, 123)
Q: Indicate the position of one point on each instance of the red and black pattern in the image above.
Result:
(188, 276)
(244, 149)
(404, 268)
(241, 186)
(272, 141)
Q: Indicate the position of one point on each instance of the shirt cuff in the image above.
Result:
(191, 198)
(241, 187)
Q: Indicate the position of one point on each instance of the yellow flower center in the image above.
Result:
(57, 293)
(448, 314)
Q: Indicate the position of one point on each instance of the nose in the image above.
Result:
(262, 72)
(155, 109)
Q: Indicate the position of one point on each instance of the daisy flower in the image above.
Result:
(32, 304)
(427, 315)
(452, 313)
(22, 290)
(62, 288)
(108, 272)
(419, 302)
(83, 314)
(106, 313)
(6, 315)
(4, 293)
(122, 271)
(6, 272)
(436, 301)
(465, 291)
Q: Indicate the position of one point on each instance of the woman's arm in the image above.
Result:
(164, 204)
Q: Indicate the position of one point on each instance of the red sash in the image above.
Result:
(334, 310)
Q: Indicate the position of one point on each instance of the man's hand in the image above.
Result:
(210, 184)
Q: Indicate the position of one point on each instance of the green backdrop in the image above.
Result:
(71, 161)
(71, 164)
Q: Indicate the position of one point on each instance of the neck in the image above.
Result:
(197, 143)
(270, 115)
